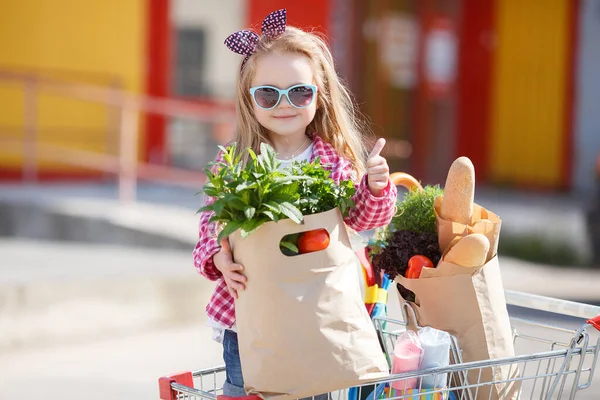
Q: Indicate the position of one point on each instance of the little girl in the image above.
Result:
(288, 95)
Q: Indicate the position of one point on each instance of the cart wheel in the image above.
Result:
(406, 180)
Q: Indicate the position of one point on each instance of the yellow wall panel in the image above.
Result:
(100, 42)
(11, 116)
(59, 111)
(11, 98)
(528, 101)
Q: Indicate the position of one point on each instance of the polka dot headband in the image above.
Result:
(244, 42)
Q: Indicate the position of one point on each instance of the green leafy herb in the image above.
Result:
(414, 213)
(321, 193)
(247, 196)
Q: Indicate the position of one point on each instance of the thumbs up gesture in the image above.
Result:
(378, 171)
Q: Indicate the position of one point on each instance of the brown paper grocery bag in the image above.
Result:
(483, 221)
(470, 304)
(458, 300)
(302, 325)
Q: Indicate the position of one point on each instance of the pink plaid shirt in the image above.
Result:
(370, 212)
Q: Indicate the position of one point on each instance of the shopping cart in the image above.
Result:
(556, 341)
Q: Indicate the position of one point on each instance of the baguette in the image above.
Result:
(459, 192)
(469, 251)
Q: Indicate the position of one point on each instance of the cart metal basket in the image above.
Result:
(556, 342)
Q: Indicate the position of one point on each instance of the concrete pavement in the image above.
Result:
(113, 367)
(57, 293)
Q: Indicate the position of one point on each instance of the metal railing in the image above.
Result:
(130, 107)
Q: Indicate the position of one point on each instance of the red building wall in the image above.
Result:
(474, 82)
(303, 14)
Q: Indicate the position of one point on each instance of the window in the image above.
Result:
(189, 66)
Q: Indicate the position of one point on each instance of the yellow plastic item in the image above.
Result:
(375, 294)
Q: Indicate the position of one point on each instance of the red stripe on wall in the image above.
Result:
(474, 83)
(16, 175)
(158, 76)
(418, 137)
(570, 95)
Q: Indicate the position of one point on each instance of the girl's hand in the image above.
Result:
(234, 278)
(378, 171)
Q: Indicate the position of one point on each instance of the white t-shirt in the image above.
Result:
(218, 328)
(304, 156)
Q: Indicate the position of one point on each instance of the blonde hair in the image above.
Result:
(336, 120)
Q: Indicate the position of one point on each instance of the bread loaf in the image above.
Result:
(470, 251)
(459, 192)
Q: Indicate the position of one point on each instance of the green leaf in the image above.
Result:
(207, 207)
(269, 157)
(250, 226)
(273, 206)
(292, 212)
(290, 246)
(209, 175)
(211, 191)
(223, 149)
(252, 154)
(249, 212)
(234, 202)
(214, 218)
(291, 179)
(270, 214)
(246, 185)
(217, 206)
(228, 154)
(266, 150)
(229, 228)
(259, 165)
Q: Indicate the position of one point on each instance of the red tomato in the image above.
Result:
(415, 265)
(313, 241)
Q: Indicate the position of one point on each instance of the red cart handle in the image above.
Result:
(595, 322)
(164, 384)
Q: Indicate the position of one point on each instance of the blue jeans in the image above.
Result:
(234, 382)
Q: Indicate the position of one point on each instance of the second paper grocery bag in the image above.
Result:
(302, 325)
(469, 303)
(456, 301)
